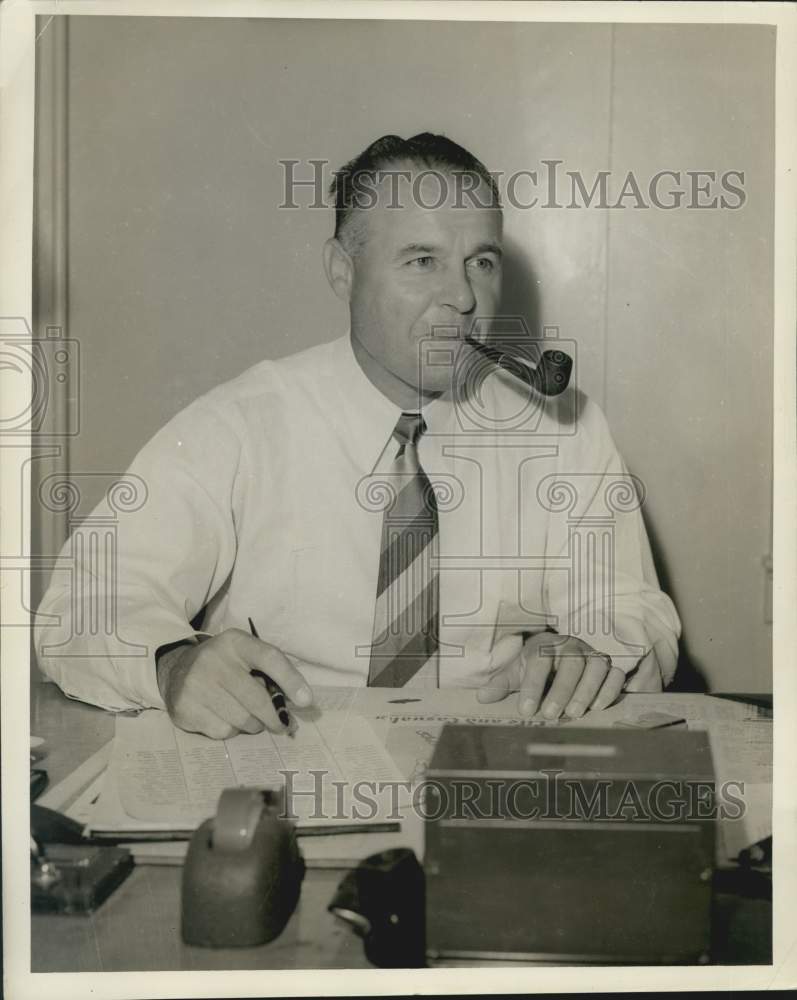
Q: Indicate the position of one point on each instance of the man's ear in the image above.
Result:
(339, 268)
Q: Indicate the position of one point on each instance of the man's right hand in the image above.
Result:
(208, 689)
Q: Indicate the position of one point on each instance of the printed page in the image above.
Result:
(161, 777)
(741, 748)
(323, 768)
(742, 751)
(150, 785)
(371, 702)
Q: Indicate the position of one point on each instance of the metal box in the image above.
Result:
(569, 845)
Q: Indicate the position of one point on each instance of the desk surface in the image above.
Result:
(138, 927)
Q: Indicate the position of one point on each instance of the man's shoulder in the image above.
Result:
(278, 392)
(275, 383)
(274, 378)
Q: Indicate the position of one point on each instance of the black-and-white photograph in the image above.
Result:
(392, 498)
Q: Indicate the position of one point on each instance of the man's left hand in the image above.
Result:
(584, 678)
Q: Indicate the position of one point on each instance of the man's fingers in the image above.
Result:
(203, 720)
(230, 709)
(505, 651)
(271, 661)
(498, 686)
(527, 674)
(610, 689)
(218, 729)
(568, 674)
(250, 692)
(594, 674)
(538, 667)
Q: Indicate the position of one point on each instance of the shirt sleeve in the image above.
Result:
(609, 596)
(132, 576)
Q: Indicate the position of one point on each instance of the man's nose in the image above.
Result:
(457, 292)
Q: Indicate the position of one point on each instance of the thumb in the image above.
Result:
(505, 651)
(272, 661)
(497, 687)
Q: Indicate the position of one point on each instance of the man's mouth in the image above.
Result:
(449, 331)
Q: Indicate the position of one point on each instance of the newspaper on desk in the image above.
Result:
(161, 778)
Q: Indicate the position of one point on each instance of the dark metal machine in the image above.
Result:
(566, 845)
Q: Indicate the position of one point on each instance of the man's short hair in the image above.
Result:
(433, 152)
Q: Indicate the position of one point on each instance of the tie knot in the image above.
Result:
(409, 428)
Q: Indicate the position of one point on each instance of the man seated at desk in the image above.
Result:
(380, 521)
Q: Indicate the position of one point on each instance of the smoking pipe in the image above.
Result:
(550, 377)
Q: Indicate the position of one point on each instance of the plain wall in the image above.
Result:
(183, 271)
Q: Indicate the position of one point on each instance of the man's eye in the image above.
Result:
(483, 264)
(422, 263)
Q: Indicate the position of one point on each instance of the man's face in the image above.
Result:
(422, 273)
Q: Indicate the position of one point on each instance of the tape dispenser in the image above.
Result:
(243, 872)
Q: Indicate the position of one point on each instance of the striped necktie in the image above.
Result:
(405, 634)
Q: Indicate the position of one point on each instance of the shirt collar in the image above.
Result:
(368, 416)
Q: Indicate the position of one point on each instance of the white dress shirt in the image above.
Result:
(263, 499)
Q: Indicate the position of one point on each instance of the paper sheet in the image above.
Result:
(742, 751)
(160, 777)
(80, 810)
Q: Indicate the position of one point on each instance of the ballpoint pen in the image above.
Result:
(275, 691)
